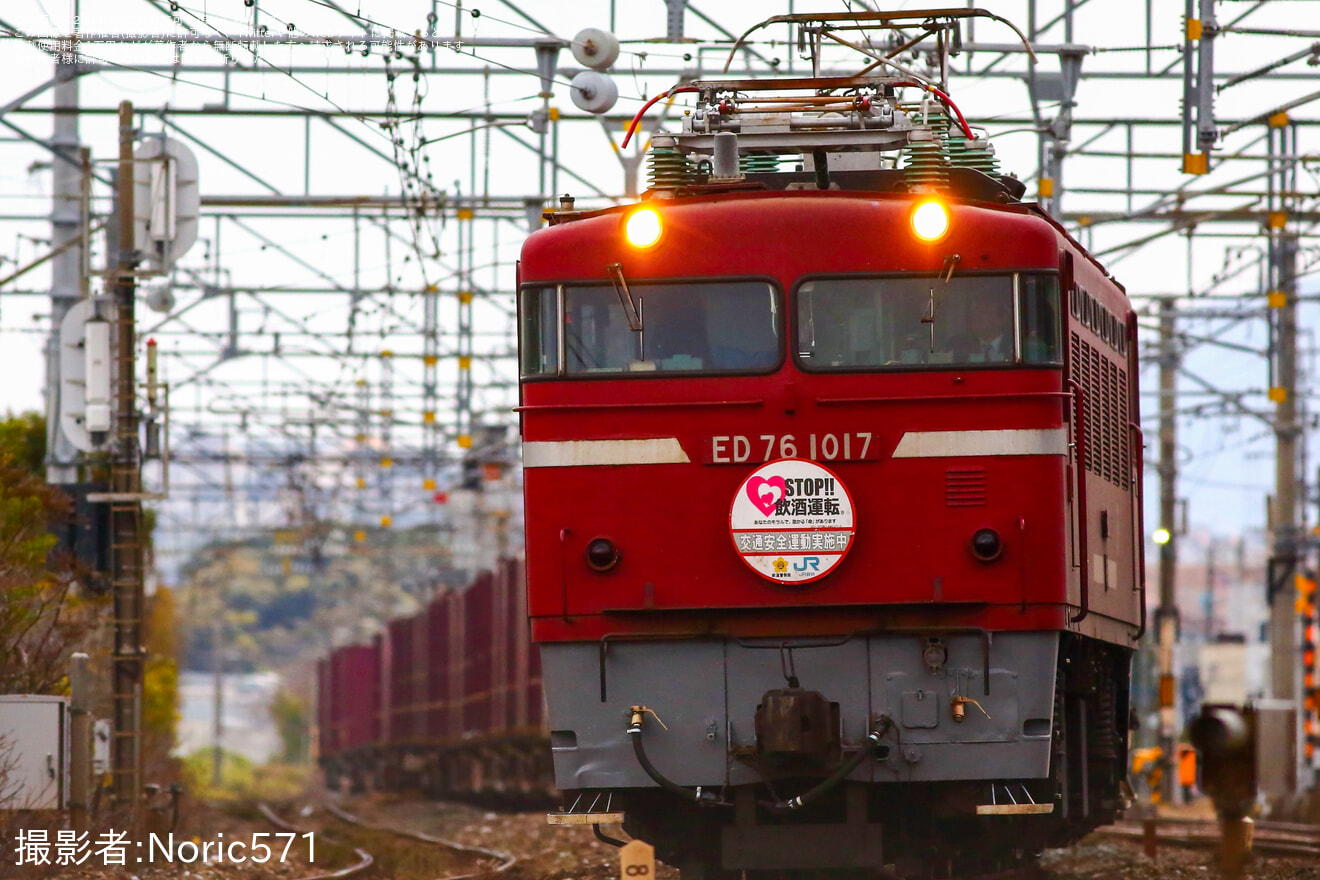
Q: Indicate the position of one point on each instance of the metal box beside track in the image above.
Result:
(34, 749)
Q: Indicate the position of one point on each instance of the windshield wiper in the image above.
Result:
(946, 275)
(631, 311)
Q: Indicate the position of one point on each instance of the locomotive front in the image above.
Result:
(822, 570)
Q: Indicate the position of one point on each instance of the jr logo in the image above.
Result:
(808, 563)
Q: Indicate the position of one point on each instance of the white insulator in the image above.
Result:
(595, 48)
(161, 299)
(594, 92)
(724, 163)
(96, 349)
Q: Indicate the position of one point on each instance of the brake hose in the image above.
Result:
(702, 797)
(843, 772)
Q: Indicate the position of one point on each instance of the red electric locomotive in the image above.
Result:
(832, 481)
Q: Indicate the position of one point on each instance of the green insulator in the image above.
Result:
(669, 168)
(926, 165)
(955, 142)
(980, 157)
(938, 121)
(927, 162)
(758, 164)
(955, 145)
(975, 154)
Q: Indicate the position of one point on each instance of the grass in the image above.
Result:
(243, 780)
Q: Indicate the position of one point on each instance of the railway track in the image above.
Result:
(365, 859)
(390, 857)
(1286, 839)
(504, 860)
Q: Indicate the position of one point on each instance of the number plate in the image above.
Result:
(758, 448)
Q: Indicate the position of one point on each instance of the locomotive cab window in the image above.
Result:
(675, 327)
(915, 322)
(1038, 310)
(538, 330)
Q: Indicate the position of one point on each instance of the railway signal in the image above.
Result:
(1225, 736)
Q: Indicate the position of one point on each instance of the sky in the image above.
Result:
(1227, 461)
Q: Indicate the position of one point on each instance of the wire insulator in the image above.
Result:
(927, 166)
(669, 168)
(758, 164)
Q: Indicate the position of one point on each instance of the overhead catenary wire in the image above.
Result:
(1170, 209)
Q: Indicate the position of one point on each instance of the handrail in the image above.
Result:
(563, 572)
(1139, 503)
(1083, 545)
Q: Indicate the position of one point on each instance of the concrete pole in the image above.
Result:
(1283, 615)
(217, 702)
(80, 739)
(66, 224)
(1166, 615)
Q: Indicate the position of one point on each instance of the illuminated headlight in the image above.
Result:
(602, 555)
(930, 221)
(986, 545)
(643, 228)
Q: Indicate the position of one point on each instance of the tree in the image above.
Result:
(289, 712)
(41, 620)
(160, 681)
(23, 438)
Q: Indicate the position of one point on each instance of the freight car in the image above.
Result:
(833, 492)
(447, 701)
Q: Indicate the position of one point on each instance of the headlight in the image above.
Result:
(643, 227)
(930, 221)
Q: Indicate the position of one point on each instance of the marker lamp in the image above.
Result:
(930, 221)
(602, 554)
(643, 227)
(986, 545)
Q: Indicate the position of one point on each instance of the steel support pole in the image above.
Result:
(66, 225)
(1206, 132)
(126, 512)
(674, 20)
(1166, 615)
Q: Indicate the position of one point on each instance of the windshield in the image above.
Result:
(705, 327)
(913, 322)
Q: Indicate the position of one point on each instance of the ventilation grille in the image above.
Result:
(965, 487)
(1105, 411)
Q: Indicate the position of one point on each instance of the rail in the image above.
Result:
(1269, 838)
(365, 859)
(506, 861)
